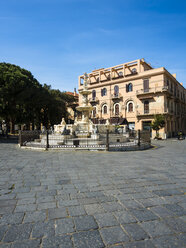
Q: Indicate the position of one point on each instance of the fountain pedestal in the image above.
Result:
(83, 131)
(84, 127)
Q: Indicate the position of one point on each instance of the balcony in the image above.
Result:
(94, 100)
(152, 112)
(148, 93)
(117, 96)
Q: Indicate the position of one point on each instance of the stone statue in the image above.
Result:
(75, 120)
(107, 122)
(63, 122)
(85, 80)
(94, 129)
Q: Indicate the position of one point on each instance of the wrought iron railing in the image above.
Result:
(101, 140)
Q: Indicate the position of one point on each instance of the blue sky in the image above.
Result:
(58, 40)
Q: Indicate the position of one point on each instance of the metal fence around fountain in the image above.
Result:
(110, 141)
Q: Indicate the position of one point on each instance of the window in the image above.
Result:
(134, 71)
(131, 125)
(93, 95)
(146, 107)
(120, 74)
(146, 125)
(146, 85)
(116, 90)
(130, 107)
(97, 79)
(171, 88)
(175, 90)
(167, 82)
(116, 109)
(81, 81)
(171, 107)
(103, 92)
(129, 87)
(104, 109)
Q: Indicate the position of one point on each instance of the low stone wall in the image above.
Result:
(129, 147)
(102, 141)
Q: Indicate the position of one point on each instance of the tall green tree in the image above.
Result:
(54, 106)
(23, 100)
(17, 87)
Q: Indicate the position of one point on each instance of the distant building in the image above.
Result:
(135, 92)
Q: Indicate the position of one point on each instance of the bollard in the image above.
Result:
(107, 140)
(139, 137)
(47, 143)
(20, 138)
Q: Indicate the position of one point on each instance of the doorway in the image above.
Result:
(146, 126)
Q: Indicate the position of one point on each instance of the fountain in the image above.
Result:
(84, 127)
(83, 133)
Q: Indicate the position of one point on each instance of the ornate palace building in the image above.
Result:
(135, 92)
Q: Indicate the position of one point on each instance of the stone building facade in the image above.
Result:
(136, 92)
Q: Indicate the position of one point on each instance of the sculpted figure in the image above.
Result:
(63, 122)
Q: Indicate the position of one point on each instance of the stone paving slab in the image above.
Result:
(93, 199)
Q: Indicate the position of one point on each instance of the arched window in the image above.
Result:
(130, 87)
(94, 112)
(146, 107)
(130, 107)
(104, 109)
(116, 109)
(116, 90)
(93, 95)
(103, 92)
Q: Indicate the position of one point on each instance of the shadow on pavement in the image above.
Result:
(12, 139)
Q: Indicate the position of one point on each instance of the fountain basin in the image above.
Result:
(84, 108)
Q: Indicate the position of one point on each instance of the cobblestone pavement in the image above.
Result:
(93, 199)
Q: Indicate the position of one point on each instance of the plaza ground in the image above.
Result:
(93, 199)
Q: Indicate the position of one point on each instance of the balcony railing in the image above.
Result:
(147, 112)
(116, 96)
(152, 90)
(94, 100)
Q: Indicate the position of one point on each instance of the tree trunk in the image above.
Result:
(12, 125)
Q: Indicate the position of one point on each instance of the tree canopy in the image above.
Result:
(23, 100)
(158, 123)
